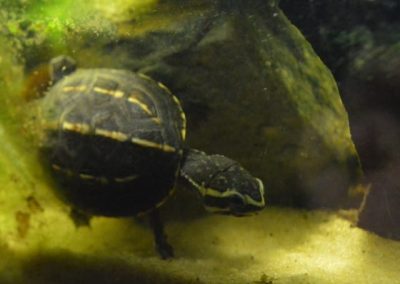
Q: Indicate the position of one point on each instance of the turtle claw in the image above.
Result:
(163, 248)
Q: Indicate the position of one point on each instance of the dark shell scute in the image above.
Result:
(106, 126)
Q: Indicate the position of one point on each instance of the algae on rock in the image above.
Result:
(253, 89)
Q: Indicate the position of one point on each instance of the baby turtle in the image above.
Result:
(114, 141)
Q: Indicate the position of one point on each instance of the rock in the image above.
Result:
(253, 89)
(364, 51)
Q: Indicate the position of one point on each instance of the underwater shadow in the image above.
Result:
(63, 267)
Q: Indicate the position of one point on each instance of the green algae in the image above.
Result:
(38, 241)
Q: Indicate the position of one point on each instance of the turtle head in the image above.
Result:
(225, 186)
(61, 66)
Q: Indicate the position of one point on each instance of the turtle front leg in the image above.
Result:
(163, 248)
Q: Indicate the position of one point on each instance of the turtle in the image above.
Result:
(114, 142)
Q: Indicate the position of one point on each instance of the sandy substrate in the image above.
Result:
(277, 246)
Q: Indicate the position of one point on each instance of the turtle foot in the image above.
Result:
(163, 248)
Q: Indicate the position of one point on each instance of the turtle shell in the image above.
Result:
(113, 139)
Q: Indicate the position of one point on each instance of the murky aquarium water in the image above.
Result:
(199, 141)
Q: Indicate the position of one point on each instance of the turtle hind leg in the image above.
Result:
(163, 248)
(79, 218)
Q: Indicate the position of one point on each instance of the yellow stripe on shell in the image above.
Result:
(115, 135)
(92, 177)
(115, 94)
(69, 89)
(142, 105)
(170, 193)
(56, 167)
(126, 179)
(60, 169)
(183, 133)
(119, 94)
(176, 100)
(150, 144)
(156, 120)
(216, 209)
(162, 201)
(144, 76)
(85, 129)
(86, 176)
(183, 117)
(162, 86)
(81, 128)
